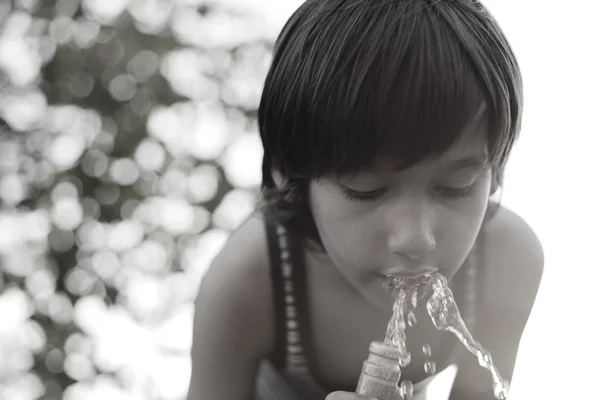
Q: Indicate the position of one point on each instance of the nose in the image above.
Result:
(412, 233)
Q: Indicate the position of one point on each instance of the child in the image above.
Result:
(386, 126)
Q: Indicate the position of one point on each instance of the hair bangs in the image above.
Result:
(357, 84)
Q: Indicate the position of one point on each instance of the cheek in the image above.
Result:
(338, 227)
(458, 235)
(326, 200)
(354, 238)
(325, 209)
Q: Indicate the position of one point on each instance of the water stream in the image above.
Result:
(444, 314)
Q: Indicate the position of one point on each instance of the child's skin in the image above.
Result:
(234, 328)
(425, 217)
(429, 215)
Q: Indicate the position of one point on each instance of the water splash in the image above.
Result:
(430, 367)
(396, 329)
(406, 390)
(415, 299)
(427, 350)
(412, 318)
(406, 291)
(444, 314)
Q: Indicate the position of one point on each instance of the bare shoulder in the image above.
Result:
(239, 278)
(514, 259)
(233, 328)
(513, 262)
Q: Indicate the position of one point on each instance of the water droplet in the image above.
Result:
(433, 304)
(430, 367)
(500, 391)
(444, 313)
(405, 360)
(412, 318)
(415, 298)
(427, 350)
(485, 358)
(406, 390)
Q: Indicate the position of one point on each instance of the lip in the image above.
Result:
(388, 289)
(402, 272)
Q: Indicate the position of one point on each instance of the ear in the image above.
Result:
(288, 186)
(277, 178)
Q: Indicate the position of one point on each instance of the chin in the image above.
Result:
(381, 304)
(378, 295)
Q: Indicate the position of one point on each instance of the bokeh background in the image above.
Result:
(129, 151)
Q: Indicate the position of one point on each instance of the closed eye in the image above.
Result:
(456, 193)
(364, 196)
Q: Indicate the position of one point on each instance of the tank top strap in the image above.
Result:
(289, 353)
(278, 356)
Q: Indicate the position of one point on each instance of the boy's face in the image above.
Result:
(425, 217)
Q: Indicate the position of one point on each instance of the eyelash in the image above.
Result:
(365, 197)
(461, 193)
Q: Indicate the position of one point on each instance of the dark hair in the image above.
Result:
(355, 83)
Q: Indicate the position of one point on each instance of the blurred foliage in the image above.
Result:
(128, 153)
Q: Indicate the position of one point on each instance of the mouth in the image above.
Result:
(400, 272)
(390, 286)
(395, 278)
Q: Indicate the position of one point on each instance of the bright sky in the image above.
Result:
(549, 182)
